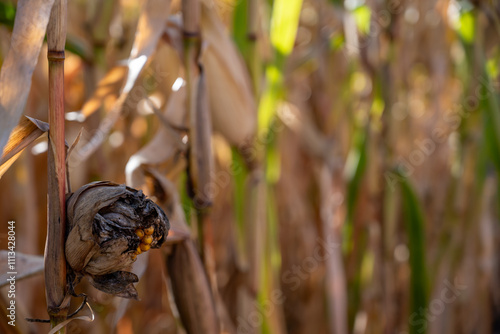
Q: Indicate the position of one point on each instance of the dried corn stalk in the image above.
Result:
(109, 225)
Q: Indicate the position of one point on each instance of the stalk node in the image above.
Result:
(56, 55)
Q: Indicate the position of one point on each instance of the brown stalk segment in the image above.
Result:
(191, 11)
(55, 262)
(191, 33)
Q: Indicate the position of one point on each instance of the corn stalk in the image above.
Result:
(55, 262)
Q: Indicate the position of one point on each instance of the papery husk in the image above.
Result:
(191, 289)
(101, 242)
(232, 103)
(165, 145)
(231, 99)
(201, 162)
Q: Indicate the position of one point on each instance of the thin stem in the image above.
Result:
(55, 262)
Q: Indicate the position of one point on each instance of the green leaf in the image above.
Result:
(269, 99)
(7, 14)
(362, 16)
(240, 25)
(284, 24)
(465, 27)
(415, 229)
(491, 116)
(240, 175)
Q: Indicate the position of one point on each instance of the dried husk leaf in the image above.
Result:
(231, 100)
(26, 132)
(201, 163)
(101, 242)
(232, 104)
(191, 289)
(165, 144)
(179, 230)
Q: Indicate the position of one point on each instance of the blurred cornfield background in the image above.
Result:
(327, 166)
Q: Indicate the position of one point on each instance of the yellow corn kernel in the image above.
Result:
(144, 247)
(138, 251)
(134, 256)
(149, 230)
(148, 239)
(139, 233)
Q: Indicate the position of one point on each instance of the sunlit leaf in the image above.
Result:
(27, 131)
(108, 86)
(284, 24)
(466, 25)
(270, 98)
(362, 16)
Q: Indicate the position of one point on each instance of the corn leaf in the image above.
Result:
(284, 24)
(26, 266)
(27, 131)
(31, 21)
(231, 100)
(415, 225)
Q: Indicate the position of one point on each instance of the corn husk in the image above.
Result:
(232, 104)
(102, 242)
(231, 99)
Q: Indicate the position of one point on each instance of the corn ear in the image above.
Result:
(232, 103)
(102, 243)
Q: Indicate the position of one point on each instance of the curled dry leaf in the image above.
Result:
(164, 146)
(26, 132)
(109, 225)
